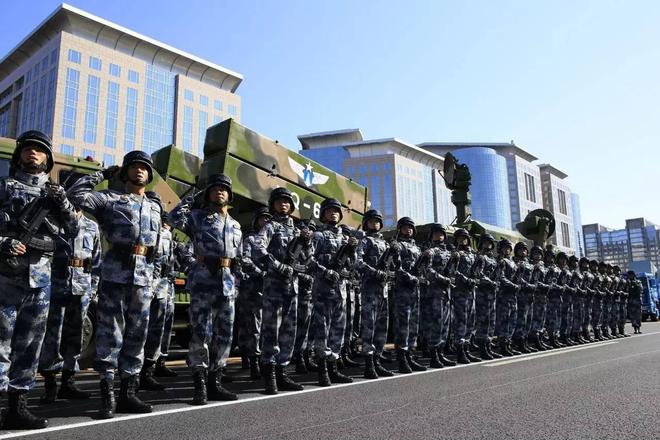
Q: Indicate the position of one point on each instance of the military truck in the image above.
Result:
(650, 296)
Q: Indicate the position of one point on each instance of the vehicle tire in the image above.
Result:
(89, 338)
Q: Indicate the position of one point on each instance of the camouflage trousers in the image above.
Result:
(578, 314)
(525, 305)
(406, 317)
(460, 306)
(621, 316)
(507, 314)
(606, 312)
(64, 332)
(553, 314)
(169, 323)
(375, 318)
(635, 313)
(352, 315)
(587, 310)
(23, 315)
(596, 311)
(122, 316)
(538, 316)
(485, 311)
(328, 325)
(156, 329)
(614, 314)
(212, 325)
(302, 324)
(278, 329)
(566, 323)
(425, 313)
(248, 308)
(438, 330)
(471, 316)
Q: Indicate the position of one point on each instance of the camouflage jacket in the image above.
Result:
(16, 192)
(526, 276)
(439, 282)
(460, 267)
(369, 253)
(327, 242)
(125, 220)
(541, 277)
(253, 275)
(508, 275)
(635, 290)
(587, 284)
(164, 265)
(85, 246)
(213, 236)
(407, 254)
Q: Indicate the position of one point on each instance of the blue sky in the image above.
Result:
(574, 83)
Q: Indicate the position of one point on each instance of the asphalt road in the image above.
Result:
(596, 391)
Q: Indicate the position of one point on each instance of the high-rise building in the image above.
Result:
(100, 89)
(402, 179)
(577, 226)
(557, 200)
(639, 241)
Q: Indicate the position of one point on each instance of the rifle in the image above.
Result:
(385, 263)
(344, 253)
(421, 265)
(295, 250)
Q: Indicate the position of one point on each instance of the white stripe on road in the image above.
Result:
(542, 355)
(122, 418)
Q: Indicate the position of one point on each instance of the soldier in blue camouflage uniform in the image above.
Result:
(507, 301)
(76, 269)
(597, 300)
(439, 285)
(525, 298)
(587, 284)
(334, 254)
(25, 268)
(130, 222)
(623, 301)
(606, 289)
(406, 295)
(302, 347)
(540, 297)
(216, 238)
(614, 303)
(576, 283)
(556, 279)
(250, 296)
(634, 301)
(484, 271)
(568, 294)
(375, 264)
(460, 267)
(163, 289)
(280, 301)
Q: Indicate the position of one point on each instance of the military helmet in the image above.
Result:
(136, 156)
(372, 214)
(406, 221)
(584, 260)
(563, 255)
(259, 212)
(281, 193)
(538, 250)
(437, 227)
(593, 263)
(502, 243)
(617, 269)
(461, 232)
(602, 264)
(486, 238)
(548, 253)
(327, 204)
(631, 273)
(573, 259)
(33, 137)
(222, 180)
(520, 245)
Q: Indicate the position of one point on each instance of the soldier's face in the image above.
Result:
(373, 224)
(521, 252)
(462, 241)
(262, 220)
(282, 206)
(561, 262)
(331, 215)
(536, 256)
(506, 251)
(33, 156)
(218, 195)
(138, 174)
(439, 236)
(487, 246)
(406, 230)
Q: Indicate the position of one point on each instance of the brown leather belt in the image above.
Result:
(215, 262)
(139, 249)
(78, 262)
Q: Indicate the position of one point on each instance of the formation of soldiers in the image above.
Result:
(300, 293)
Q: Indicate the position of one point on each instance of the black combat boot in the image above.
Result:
(147, 381)
(461, 354)
(69, 390)
(380, 370)
(270, 381)
(369, 367)
(346, 360)
(255, 372)
(199, 391)
(414, 365)
(214, 389)
(162, 370)
(538, 342)
(107, 409)
(245, 362)
(128, 402)
(324, 379)
(18, 416)
(505, 349)
(483, 351)
(299, 362)
(622, 331)
(284, 382)
(334, 374)
(441, 355)
(435, 360)
(50, 387)
(529, 347)
(404, 367)
(470, 356)
(553, 341)
(489, 348)
(605, 332)
(519, 344)
(309, 362)
(564, 340)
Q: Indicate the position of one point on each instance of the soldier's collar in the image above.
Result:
(374, 234)
(283, 219)
(31, 179)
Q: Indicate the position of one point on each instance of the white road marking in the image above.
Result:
(122, 418)
(544, 354)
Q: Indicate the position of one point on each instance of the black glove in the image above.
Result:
(331, 275)
(57, 194)
(285, 270)
(381, 275)
(110, 172)
(10, 247)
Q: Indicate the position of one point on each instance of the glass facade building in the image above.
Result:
(638, 242)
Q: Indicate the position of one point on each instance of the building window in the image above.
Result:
(53, 56)
(88, 153)
(565, 235)
(188, 95)
(159, 91)
(187, 128)
(66, 149)
(92, 109)
(204, 100)
(95, 63)
(44, 64)
(70, 103)
(108, 160)
(203, 125)
(50, 100)
(562, 202)
(111, 115)
(530, 188)
(231, 108)
(4, 120)
(115, 70)
(133, 76)
(74, 56)
(217, 104)
(131, 118)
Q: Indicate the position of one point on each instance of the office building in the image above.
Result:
(639, 241)
(556, 199)
(99, 89)
(577, 226)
